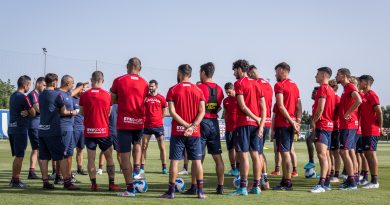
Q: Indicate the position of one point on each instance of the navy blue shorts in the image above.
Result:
(229, 138)
(178, 145)
(210, 136)
(335, 140)
(157, 131)
(18, 144)
(126, 138)
(247, 139)
(68, 141)
(79, 138)
(51, 148)
(103, 142)
(284, 137)
(359, 143)
(265, 134)
(347, 139)
(114, 141)
(324, 137)
(34, 139)
(370, 143)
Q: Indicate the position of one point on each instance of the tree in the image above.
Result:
(6, 89)
(386, 116)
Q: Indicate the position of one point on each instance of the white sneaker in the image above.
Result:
(139, 176)
(360, 177)
(183, 172)
(126, 194)
(371, 186)
(99, 171)
(364, 182)
(317, 189)
(334, 180)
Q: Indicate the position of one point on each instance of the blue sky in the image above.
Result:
(164, 34)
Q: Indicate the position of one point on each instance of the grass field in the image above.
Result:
(158, 184)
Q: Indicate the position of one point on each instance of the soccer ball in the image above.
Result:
(140, 186)
(310, 173)
(237, 181)
(180, 185)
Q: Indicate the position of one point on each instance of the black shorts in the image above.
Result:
(335, 141)
(115, 142)
(51, 147)
(18, 144)
(210, 136)
(284, 137)
(34, 139)
(229, 137)
(370, 143)
(157, 131)
(247, 139)
(178, 145)
(127, 138)
(103, 142)
(79, 138)
(359, 143)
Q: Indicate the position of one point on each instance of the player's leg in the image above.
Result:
(34, 141)
(219, 169)
(194, 150)
(321, 145)
(105, 144)
(102, 161)
(231, 152)
(43, 163)
(137, 152)
(369, 148)
(80, 144)
(256, 152)
(19, 149)
(284, 137)
(294, 162)
(310, 151)
(346, 145)
(161, 146)
(365, 168)
(91, 153)
(277, 157)
(125, 142)
(264, 178)
(144, 146)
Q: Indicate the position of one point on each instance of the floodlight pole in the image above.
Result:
(44, 65)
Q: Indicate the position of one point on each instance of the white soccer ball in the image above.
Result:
(310, 173)
(140, 186)
(237, 181)
(180, 185)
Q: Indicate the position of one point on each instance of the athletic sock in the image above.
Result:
(256, 183)
(288, 182)
(327, 180)
(265, 177)
(130, 187)
(111, 181)
(31, 171)
(365, 175)
(233, 166)
(243, 183)
(164, 166)
(136, 168)
(100, 166)
(93, 181)
(322, 182)
(277, 168)
(185, 166)
(142, 166)
(332, 173)
(238, 166)
(199, 183)
(337, 174)
(171, 188)
(294, 169)
(374, 179)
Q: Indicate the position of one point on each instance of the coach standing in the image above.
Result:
(18, 126)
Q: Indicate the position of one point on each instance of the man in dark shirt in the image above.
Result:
(18, 126)
(78, 132)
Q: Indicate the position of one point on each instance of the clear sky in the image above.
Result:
(164, 34)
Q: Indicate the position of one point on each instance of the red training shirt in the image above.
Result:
(154, 106)
(268, 92)
(369, 123)
(96, 104)
(291, 95)
(186, 98)
(326, 120)
(252, 93)
(131, 90)
(230, 107)
(346, 101)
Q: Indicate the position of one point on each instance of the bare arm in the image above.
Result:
(79, 89)
(298, 110)
(263, 114)
(319, 110)
(114, 98)
(165, 112)
(201, 113)
(64, 112)
(357, 101)
(379, 115)
(32, 112)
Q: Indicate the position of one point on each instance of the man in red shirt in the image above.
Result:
(230, 116)
(209, 126)
(372, 127)
(156, 108)
(288, 115)
(335, 141)
(95, 106)
(349, 103)
(268, 92)
(322, 124)
(187, 108)
(129, 92)
(251, 116)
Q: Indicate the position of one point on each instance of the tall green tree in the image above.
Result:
(6, 89)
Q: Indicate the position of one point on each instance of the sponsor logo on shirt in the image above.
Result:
(131, 120)
(101, 130)
(180, 128)
(95, 91)
(153, 100)
(13, 124)
(134, 77)
(44, 127)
